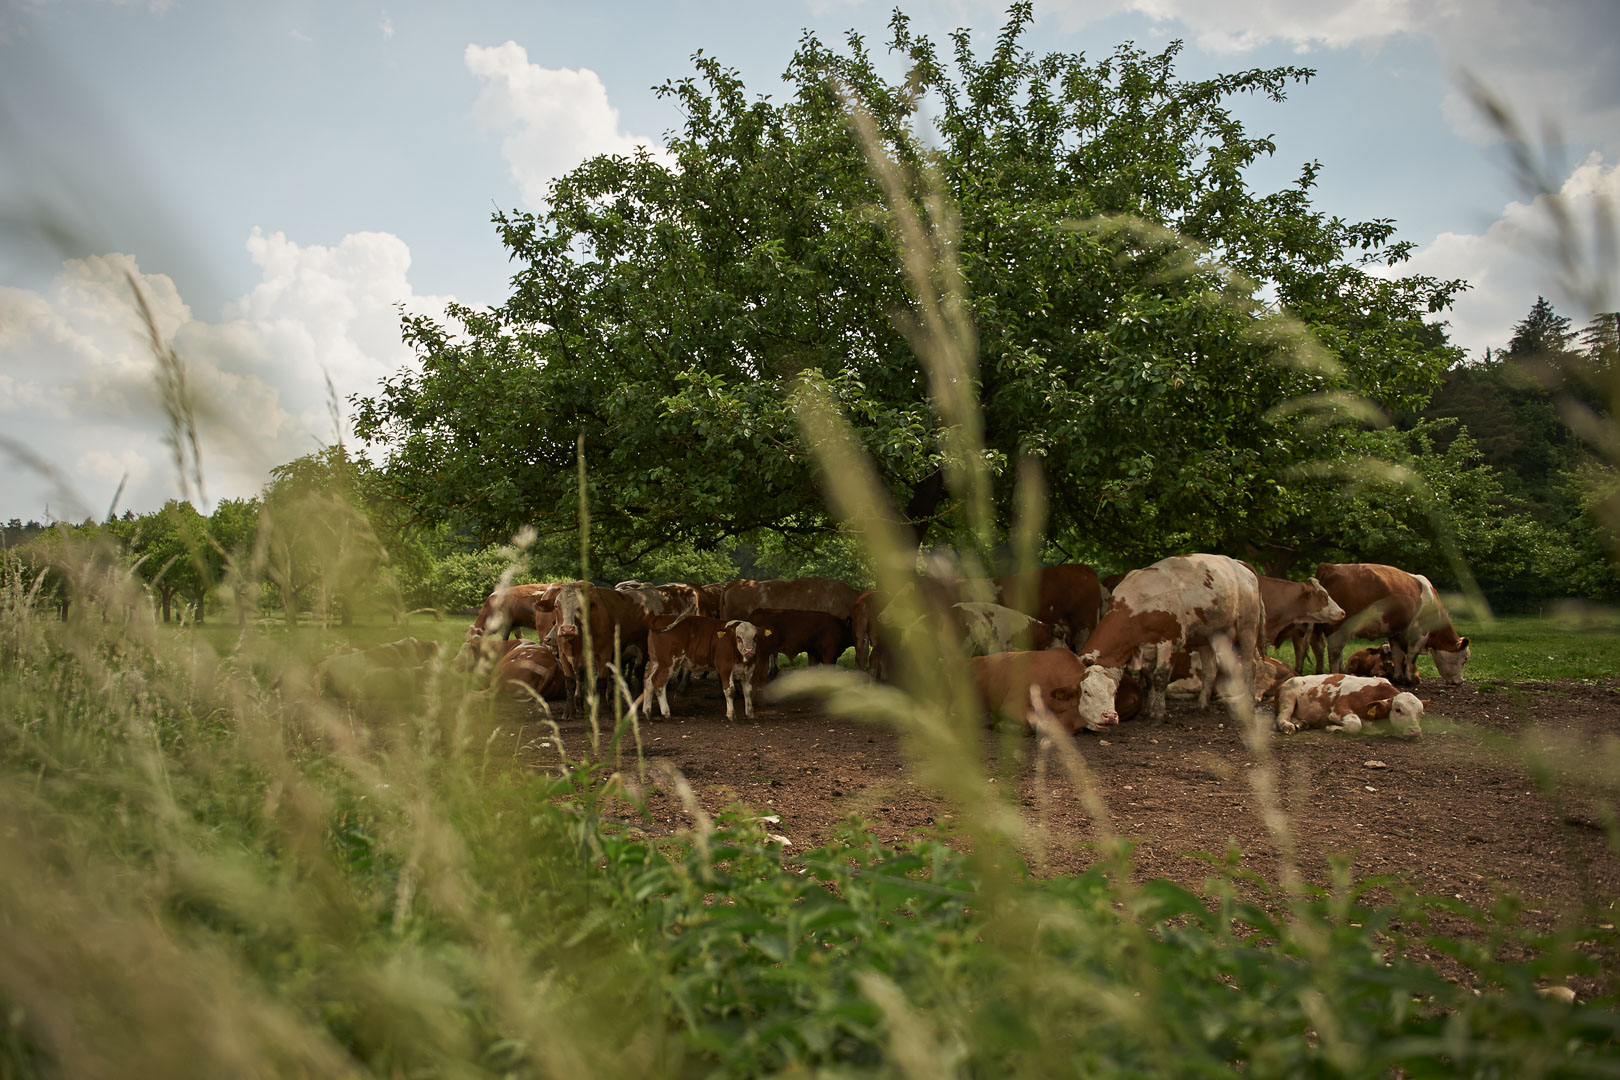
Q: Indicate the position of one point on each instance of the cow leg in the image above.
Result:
(748, 693)
(1299, 636)
(727, 684)
(1285, 712)
(1405, 661)
(1335, 645)
(1318, 641)
(1207, 672)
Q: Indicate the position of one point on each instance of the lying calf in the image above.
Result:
(1377, 663)
(1345, 703)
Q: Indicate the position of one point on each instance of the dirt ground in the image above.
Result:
(1456, 811)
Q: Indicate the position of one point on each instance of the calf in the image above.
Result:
(1386, 601)
(532, 665)
(1010, 684)
(1377, 663)
(1189, 601)
(821, 636)
(729, 649)
(1345, 703)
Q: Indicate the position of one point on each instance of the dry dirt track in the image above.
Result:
(1456, 811)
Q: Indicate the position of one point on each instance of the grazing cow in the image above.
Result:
(612, 614)
(1189, 601)
(506, 610)
(529, 664)
(797, 594)
(1345, 703)
(728, 648)
(992, 628)
(1294, 609)
(1385, 601)
(1069, 597)
(821, 636)
(1010, 684)
(1377, 662)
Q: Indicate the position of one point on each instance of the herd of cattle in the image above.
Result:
(1059, 643)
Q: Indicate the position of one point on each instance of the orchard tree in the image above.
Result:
(1112, 256)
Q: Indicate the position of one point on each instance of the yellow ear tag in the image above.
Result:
(767, 633)
(721, 634)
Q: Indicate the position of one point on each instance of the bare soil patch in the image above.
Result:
(1458, 811)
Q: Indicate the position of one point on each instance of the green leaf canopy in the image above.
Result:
(1122, 276)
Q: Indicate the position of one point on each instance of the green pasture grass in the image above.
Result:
(1532, 648)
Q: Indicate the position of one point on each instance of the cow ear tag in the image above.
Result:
(767, 633)
(721, 634)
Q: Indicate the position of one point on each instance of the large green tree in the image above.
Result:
(1118, 268)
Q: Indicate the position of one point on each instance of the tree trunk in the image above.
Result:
(165, 595)
(926, 495)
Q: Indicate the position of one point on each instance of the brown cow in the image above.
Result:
(797, 594)
(529, 664)
(1068, 596)
(612, 614)
(728, 648)
(821, 636)
(1010, 683)
(862, 620)
(1184, 601)
(505, 610)
(1386, 601)
(1294, 609)
(1345, 703)
(1376, 662)
(709, 597)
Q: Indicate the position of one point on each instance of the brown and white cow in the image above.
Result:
(1294, 609)
(531, 665)
(1010, 684)
(1069, 596)
(822, 637)
(730, 648)
(1345, 703)
(1376, 662)
(1386, 601)
(612, 615)
(507, 610)
(797, 594)
(1185, 601)
(1187, 679)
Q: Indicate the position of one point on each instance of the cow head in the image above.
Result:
(1405, 712)
(1450, 662)
(1324, 607)
(747, 636)
(570, 605)
(1096, 704)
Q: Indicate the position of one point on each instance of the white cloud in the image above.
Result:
(552, 118)
(1516, 259)
(1558, 61)
(77, 374)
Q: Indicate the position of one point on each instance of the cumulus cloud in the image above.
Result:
(77, 371)
(1515, 259)
(552, 118)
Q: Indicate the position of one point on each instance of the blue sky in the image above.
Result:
(279, 177)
